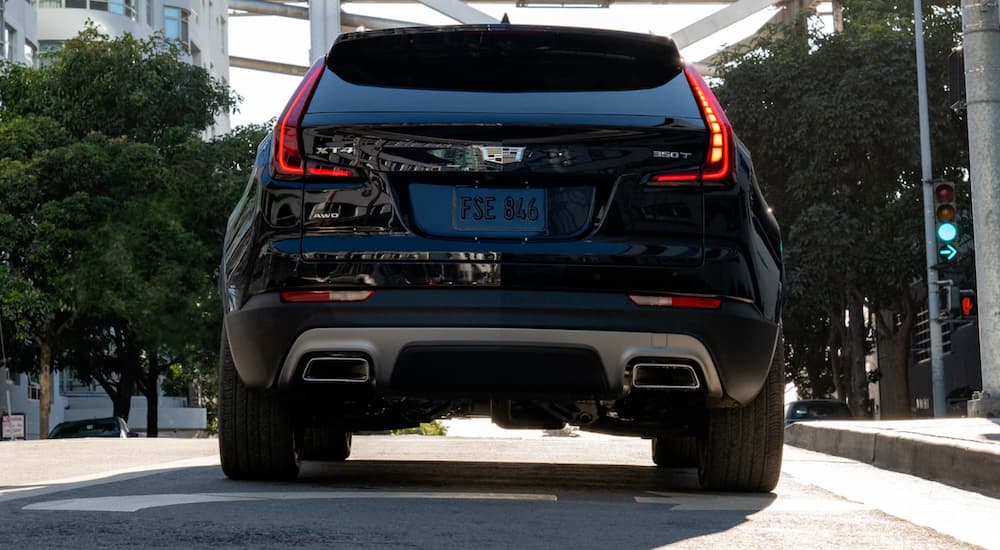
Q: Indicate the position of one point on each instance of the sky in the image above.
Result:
(287, 40)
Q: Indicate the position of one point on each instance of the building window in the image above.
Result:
(128, 8)
(920, 340)
(33, 390)
(195, 55)
(29, 54)
(8, 42)
(45, 50)
(124, 7)
(175, 23)
(48, 46)
(149, 12)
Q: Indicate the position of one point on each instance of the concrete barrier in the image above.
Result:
(963, 463)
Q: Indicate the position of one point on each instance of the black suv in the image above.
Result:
(541, 225)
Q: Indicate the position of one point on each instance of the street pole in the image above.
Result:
(930, 239)
(324, 26)
(981, 29)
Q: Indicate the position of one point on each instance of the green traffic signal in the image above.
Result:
(947, 232)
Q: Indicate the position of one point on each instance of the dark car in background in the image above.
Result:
(545, 226)
(93, 427)
(816, 409)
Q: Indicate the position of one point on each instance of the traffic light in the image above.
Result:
(945, 220)
(968, 303)
(962, 303)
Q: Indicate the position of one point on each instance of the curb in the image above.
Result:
(962, 463)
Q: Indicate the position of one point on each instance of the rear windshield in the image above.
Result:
(512, 59)
(368, 77)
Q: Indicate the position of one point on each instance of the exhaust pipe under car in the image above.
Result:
(337, 370)
(665, 376)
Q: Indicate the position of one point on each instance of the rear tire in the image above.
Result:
(741, 447)
(256, 431)
(325, 444)
(675, 451)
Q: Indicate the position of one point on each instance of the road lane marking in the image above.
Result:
(134, 503)
(77, 482)
(687, 502)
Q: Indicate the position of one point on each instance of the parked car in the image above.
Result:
(93, 427)
(816, 409)
(545, 225)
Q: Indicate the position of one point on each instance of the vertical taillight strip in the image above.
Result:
(288, 162)
(718, 162)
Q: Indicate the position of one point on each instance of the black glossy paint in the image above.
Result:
(609, 232)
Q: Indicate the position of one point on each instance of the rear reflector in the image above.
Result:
(287, 161)
(326, 295)
(692, 302)
(675, 179)
(321, 170)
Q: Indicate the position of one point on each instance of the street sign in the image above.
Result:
(12, 426)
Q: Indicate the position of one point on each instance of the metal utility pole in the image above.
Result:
(324, 26)
(981, 29)
(930, 239)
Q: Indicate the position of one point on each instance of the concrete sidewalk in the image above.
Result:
(964, 452)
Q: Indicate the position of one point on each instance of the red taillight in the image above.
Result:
(328, 170)
(288, 162)
(718, 163)
(692, 302)
(313, 296)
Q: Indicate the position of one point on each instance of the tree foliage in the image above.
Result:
(111, 209)
(140, 89)
(832, 122)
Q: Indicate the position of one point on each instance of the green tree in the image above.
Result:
(832, 122)
(158, 262)
(86, 140)
(124, 86)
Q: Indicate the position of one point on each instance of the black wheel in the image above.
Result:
(675, 451)
(320, 443)
(256, 431)
(741, 447)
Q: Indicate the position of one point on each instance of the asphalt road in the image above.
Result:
(447, 492)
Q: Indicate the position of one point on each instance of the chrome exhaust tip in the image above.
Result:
(337, 370)
(665, 376)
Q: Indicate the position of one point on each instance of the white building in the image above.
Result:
(72, 400)
(18, 21)
(200, 24)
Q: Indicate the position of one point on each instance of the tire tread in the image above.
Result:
(741, 447)
(256, 431)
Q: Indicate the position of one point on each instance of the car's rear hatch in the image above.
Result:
(502, 145)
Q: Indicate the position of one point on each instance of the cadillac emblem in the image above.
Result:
(502, 155)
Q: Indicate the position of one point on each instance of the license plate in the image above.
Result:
(500, 210)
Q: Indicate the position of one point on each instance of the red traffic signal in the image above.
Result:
(944, 191)
(969, 305)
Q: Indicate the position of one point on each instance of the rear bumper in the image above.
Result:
(732, 346)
